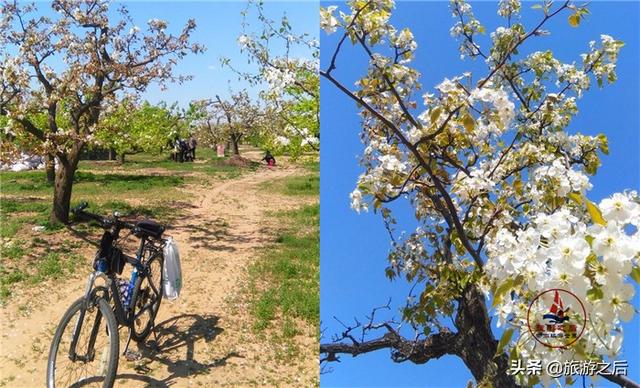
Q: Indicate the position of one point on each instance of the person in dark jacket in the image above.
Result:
(192, 148)
(269, 159)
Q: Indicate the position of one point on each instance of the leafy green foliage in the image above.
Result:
(130, 128)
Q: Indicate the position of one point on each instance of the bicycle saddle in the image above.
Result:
(149, 228)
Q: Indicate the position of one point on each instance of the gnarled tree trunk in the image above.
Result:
(67, 165)
(50, 168)
(235, 142)
(476, 345)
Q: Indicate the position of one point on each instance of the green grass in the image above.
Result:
(16, 206)
(53, 265)
(305, 185)
(312, 165)
(33, 183)
(7, 280)
(14, 213)
(9, 227)
(212, 166)
(284, 282)
(296, 185)
(13, 251)
(30, 197)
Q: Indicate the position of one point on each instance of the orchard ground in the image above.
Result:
(248, 238)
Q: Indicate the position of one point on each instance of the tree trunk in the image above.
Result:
(67, 165)
(121, 157)
(50, 168)
(476, 343)
(235, 140)
(112, 154)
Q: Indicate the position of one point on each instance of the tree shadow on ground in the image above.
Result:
(173, 345)
(215, 235)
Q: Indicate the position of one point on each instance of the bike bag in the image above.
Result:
(112, 255)
(171, 270)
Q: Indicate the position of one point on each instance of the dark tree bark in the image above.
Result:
(50, 168)
(235, 142)
(121, 157)
(473, 342)
(476, 345)
(112, 154)
(67, 165)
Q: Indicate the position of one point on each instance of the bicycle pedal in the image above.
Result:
(131, 355)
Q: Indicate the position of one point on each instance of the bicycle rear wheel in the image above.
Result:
(95, 360)
(147, 295)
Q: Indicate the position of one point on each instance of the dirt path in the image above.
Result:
(204, 337)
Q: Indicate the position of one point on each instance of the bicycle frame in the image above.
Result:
(124, 313)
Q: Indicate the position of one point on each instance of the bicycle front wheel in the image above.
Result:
(94, 360)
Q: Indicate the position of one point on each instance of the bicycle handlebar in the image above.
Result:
(105, 222)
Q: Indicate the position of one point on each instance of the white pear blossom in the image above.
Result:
(328, 22)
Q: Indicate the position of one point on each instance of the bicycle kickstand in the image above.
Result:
(130, 355)
(155, 335)
(126, 347)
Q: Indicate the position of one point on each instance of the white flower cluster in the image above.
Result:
(357, 203)
(558, 176)
(328, 22)
(577, 78)
(561, 250)
(506, 8)
(157, 24)
(466, 25)
(307, 138)
(283, 141)
(404, 40)
(468, 186)
(244, 41)
(391, 163)
(278, 78)
(500, 101)
(503, 38)
(603, 60)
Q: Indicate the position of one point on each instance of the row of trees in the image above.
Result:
(75, 79)
(291, 84)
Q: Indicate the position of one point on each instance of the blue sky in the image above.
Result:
(218, 27)
(354, 247)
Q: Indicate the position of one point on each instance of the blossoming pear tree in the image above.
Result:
(73, 63)
(498, 181)
(228, 120)
(292, 83)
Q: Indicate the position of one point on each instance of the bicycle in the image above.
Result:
(92, 359)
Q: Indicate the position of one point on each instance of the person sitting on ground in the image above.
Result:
(271, 161)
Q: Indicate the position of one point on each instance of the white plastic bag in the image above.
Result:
(171, 271)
